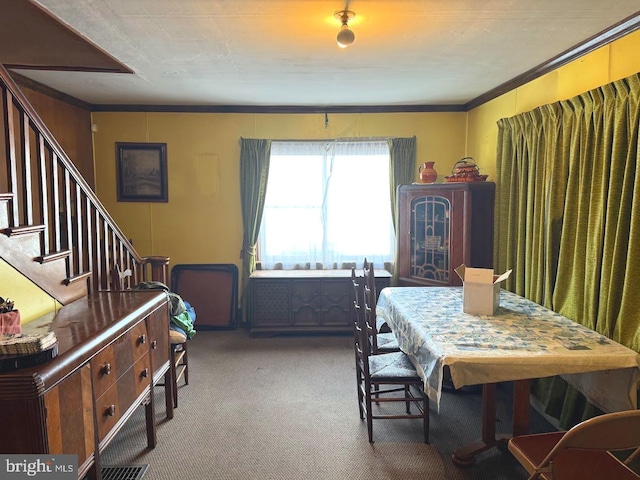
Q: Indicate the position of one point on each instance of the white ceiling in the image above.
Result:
(284, 53)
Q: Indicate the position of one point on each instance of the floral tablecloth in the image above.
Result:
(522, 340)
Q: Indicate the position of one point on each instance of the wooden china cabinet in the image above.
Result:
(441, 226)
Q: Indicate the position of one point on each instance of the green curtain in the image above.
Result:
(254, 170)
(402, 155)
(402, 162)
(568, 213)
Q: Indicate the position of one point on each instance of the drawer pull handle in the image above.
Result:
(142, 339)
(154, 344)
(111, 411)
(144, 373)
(106, 369)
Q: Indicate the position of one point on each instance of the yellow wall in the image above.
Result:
(201, 223)
(29, 299)
(607, 64)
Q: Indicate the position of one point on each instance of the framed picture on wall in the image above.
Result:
(142, 172)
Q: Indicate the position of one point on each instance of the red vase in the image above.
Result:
(427, 173)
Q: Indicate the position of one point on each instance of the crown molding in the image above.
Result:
(616, 31)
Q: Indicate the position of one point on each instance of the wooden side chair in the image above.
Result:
(584, 451)
(357, 284)
(381, 324)
(383, 342)
(385, 378)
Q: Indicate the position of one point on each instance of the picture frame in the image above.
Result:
(141, 172)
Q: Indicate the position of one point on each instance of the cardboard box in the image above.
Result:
(480, 289)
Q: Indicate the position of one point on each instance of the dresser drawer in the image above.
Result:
(108, 365)
(118, 398)
(103, 370)
(141, 375)
(139, 340)
(107, 411)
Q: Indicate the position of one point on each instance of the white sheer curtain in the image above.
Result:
(327, 205)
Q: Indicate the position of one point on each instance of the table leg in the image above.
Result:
(521, 406)
(465, 455)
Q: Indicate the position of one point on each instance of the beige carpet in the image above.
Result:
(286, 408)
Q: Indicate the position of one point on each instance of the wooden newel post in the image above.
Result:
(159, 269)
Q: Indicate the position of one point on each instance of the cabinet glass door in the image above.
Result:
(430, 234)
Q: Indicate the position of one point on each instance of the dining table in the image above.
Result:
(521, 341)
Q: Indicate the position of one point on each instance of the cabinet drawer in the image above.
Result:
(139, 340)
(107, 411)
(141, 374)
(103, 370)
(118, 398)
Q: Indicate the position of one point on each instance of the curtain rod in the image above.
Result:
(346, 139)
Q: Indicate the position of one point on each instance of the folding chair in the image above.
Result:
(584, 451)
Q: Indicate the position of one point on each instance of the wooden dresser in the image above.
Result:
(113, 347)
(304, 301)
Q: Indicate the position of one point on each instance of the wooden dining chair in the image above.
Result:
(383, 342)
(385, 378)
(584, 452)
(381, 324)
(357, 284)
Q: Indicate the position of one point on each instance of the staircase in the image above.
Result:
(53, 228)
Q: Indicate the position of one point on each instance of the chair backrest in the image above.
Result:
(357, 284)
(369, 335)
(605, 433)
(369, 295)
(359, 334)
(611, 432)
(369, 276)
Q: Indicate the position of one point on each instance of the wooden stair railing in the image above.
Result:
(53, 227)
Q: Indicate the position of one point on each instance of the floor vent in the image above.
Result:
(127, 472)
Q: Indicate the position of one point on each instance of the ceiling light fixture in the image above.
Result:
(345, 36)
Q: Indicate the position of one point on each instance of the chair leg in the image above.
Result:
(185, 361)
(179, 369)
(360, 394)
(369, 419)
(407, 395)
(359, 383)
(425, 420)
(174, 378)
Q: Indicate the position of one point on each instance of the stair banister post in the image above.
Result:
(159, 268)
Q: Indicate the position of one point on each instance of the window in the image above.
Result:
(327, 204)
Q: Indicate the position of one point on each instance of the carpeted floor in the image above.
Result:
(285, 408)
